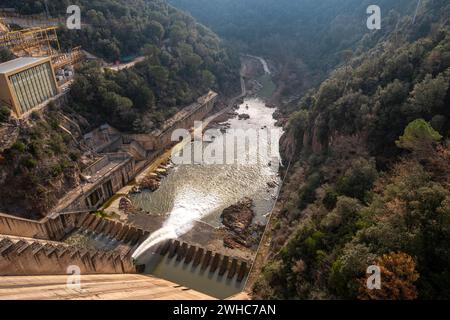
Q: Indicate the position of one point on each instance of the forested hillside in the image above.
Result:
(369, 149)
(307, 38)
(183, 60)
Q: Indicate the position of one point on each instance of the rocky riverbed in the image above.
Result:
(240, 231)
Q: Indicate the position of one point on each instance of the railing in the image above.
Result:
(104, 161)
(76, 55)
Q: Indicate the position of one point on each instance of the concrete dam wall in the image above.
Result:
(204, 259)
(46, 228)
(25, 256)
(31, 257)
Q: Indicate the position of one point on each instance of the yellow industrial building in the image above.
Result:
(26, 83)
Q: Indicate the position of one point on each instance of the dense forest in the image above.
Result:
(369, 175)
(183, 60)
(306, 38)
(369, 149)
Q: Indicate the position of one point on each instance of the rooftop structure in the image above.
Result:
(26, 83)
(31, 42)
(38, 40)
(13, 65)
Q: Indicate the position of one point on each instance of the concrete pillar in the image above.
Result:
(206, 261)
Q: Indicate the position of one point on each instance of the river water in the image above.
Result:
(200, 192)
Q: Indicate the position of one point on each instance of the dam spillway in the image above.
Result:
(206, 260)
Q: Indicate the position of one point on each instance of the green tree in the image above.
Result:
(5, 55)
(5, 113)
(358, 180)
(419, 137)
(428, 96)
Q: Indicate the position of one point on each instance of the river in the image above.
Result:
(200, 192)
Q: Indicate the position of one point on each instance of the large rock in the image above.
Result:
(150, 183)
(125, 204)
(238, 217)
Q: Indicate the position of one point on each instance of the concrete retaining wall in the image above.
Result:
(29, 257)
(24, 256)
(47, 228)
(124, 233)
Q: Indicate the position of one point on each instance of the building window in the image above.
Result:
(33, 86)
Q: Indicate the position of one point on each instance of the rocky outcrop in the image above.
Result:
(240, 232)
(238, 217)
(125, 205)
(150, 183)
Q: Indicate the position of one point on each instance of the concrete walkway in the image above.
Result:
(95, 287)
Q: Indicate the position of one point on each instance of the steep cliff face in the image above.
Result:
(39, 165)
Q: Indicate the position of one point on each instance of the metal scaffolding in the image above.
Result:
(76, 55)
(31, 42)
(38, 42)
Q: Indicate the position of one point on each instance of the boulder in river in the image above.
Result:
(244, 116)
(150, 183)
(238, 217)
(125, 204)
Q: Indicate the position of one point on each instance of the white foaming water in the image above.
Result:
(181, 220)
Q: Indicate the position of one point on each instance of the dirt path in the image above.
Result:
(127, 65)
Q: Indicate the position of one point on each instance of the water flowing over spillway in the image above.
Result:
(189, 203)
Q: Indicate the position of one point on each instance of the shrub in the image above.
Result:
(330, 199)
(5, 113)
(307, 194)
(358, 181)
(29, 163)
(19, 146)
